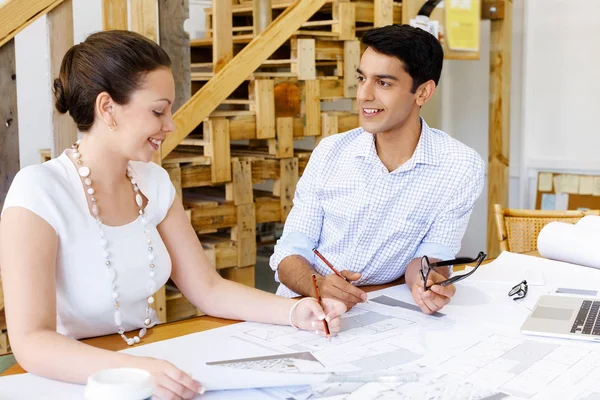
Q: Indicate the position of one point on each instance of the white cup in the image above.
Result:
(119, 384)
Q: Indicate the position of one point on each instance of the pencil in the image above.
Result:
(329, 264)
(314, 280)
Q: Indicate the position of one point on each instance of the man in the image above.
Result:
(376, 199)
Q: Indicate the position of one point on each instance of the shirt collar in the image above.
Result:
(425, 152)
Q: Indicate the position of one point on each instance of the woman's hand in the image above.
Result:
(170, 382)
(308, 315)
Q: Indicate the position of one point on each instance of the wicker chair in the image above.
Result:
(518, 230)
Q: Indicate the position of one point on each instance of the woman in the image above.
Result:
(87, 238)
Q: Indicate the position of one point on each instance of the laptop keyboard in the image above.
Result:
(586, 322)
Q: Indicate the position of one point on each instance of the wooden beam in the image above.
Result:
(283, 144)
(346, 15)
(114, 15)
(176, 42)
(285, 186)
(222, 34)
(229, 78)
(143, 18)
(244, 233)
(311, 107)
(262, 15)
(351, 62)
(216, 134)
(60, 29)
(492, 9)
(499, 124)
(240, 190)
(306, 67)
(9, 131)
(264, 97)
(384, 13)
(16, 15)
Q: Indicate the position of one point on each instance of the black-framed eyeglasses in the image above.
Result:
(519, 290)
(427, 266)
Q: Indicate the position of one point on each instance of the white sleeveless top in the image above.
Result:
(84, 302)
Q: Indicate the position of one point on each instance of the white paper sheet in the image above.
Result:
(480, 321)
(510, 268)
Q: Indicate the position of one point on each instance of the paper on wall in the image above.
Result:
(545, 182)
(596, 191)
(562, 202)
(586, 185)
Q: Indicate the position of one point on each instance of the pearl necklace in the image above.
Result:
(111, 273)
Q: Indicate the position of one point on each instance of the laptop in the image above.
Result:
(569, 317)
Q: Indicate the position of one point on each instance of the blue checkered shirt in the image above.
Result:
(363, 218)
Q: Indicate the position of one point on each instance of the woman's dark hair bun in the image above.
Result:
(60, 99)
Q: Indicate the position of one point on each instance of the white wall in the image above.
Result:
(561, 90)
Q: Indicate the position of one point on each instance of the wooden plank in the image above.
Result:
(176, 42)
(264, 96)
(196, 175)
(346, 15)
(240, 190)
(60, 29)
(492, 9)
(262, 15)
(244, 233)
(143, 18)
(365, 12)
(287, 99)
(243, 275)
(306, 67)
(210, 216)
(312, 108)
(285, 187)
(16, 15)
(229, 78)
(268, 209)
(283, 144)
(175, 175)
(160, 304)
(216, 134)
(383, 13)
(114, 15)
(9, 131)
(222, 35)
(329, 126)
(331, 89)
(499, 125)
(347, 122)
(223, 252)
(351, 62)
(242, 128)
(263, 170)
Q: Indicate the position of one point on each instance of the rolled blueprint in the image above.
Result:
(590, 222)
(570, 243)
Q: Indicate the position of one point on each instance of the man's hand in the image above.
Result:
(436, 297)
(334, 287)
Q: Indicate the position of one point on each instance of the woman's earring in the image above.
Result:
(113, 126)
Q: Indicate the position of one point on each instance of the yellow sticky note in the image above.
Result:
(570, 184)
(462, 24)
(586, 185)
(596, 191)
(558, 184)
(545, 182)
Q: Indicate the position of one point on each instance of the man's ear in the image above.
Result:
(424, 92)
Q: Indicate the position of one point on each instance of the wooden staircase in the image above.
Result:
(240, 126)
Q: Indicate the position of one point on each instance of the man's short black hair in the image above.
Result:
(419, 51)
